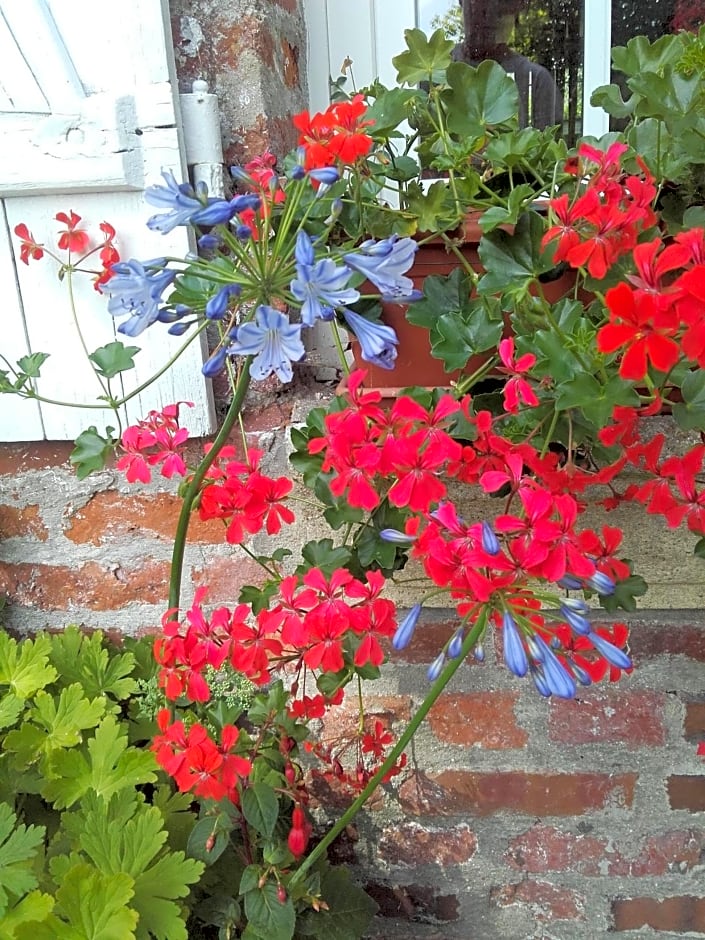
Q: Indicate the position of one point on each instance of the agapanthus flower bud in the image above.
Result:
(436, 667)
(178, 329)
(215, 363)
(539, 678)
(576, 603)
(569, 583)
(613, 655)
(514, 652)
(325, 174)
(601, 583)
(490, 542)
(581, 625)
(396, 537)
(218, 303)
(406, 628)
(558, 679)
(580, 674)
(455, 647)
(479, 653)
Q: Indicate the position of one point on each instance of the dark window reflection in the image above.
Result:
(541, 45)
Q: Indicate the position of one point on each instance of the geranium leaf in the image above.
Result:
(18, 847)
(424, 59)
(114, 358)
(260, 808)
(85, 659)
(94, 906)
(24, 667)
(479, 97)
(91, 451)
(350, 908)
(267, 916)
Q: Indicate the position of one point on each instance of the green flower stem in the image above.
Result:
(194, 487)
(165, 368)
(410, 730)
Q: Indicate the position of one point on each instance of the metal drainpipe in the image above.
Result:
(201, 130)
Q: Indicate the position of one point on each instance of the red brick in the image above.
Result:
(674, 914)
(411, 844)
(625, 717)
(454, 792)
(686, 791)
(487, 720)
(226, 575)
(694, 723)
(24, 522)
(55, 587)
(548, 902)
(110, 516)
(546, 848)
(654, 640)
(37, 455)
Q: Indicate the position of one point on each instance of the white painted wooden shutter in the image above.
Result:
(88, 119)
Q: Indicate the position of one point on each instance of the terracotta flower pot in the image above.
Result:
(415, 364)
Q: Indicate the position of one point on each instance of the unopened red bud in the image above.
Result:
(281, 894)
(210, 842)
(290, 773)
(297, 818)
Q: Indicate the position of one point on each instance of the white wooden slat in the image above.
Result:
(596, 59)
(20, 89)
(35, 32)
(318, 58)
(19, 420)
(351, 36)
(390, 21)
(50, 327)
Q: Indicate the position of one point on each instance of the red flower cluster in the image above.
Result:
(74, 240)
(603, 221)
(154, 440)
(197, 763)
(336, 135)
(245, 498)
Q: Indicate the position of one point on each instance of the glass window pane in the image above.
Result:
(541, 44)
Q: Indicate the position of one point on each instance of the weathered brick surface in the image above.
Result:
(474, 719)
(24, 522)
(453, 792)
(58, 587)
(628, 717)
(547, 901)
(694, 721)
(547, 849)
(678, 914)
(412, 844)
(687, 791)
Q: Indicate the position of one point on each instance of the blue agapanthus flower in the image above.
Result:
(385, 263)
(273, 341)
(320, 286)
(136, 289)
(378, 342)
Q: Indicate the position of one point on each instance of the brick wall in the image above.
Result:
(516, 817)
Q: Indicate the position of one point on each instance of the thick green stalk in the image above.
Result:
(436, 689)
(194, 487)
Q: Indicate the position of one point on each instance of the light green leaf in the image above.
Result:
(25, 666)
(111, 766)
(32, 364)
(85, 659)
(10, 708)
(114, 358)
(21, 920)
(18, 847)
(64, 719)
(424, 58)
(95, 906)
